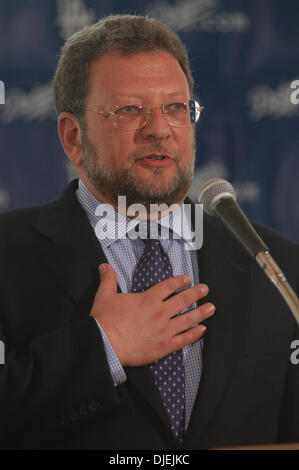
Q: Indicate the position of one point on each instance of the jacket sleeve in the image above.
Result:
(57, 382)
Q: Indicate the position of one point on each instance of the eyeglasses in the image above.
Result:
(133, 116)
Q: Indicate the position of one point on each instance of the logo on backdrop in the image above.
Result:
(199, 15)
(36, 104)
(265, 101)
(73, 15)
(247, 191)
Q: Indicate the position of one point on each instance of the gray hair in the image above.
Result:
(127, 34)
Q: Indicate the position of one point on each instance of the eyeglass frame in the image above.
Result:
(195, 110)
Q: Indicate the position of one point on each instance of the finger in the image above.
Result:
(186, 338)
(191, 319)
(164, 289)
(184, 299)
(107, 279)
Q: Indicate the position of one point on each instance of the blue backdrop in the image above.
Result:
(244, 57)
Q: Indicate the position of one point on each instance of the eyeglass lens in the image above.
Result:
(136, 117)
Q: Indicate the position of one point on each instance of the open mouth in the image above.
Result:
(155, 157)
(156, 161)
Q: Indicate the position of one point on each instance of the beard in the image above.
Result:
(124, 182)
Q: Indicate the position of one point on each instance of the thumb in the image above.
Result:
(107, 278)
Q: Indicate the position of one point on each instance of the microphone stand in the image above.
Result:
(229, 212)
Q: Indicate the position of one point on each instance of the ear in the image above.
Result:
(70, 137)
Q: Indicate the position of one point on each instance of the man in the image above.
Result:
(125, 361)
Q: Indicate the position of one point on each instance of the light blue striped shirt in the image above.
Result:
(123, 254)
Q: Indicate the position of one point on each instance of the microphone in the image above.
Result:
(218, 198)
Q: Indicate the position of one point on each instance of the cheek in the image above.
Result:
(107, 146)
(187, 145)
(123, 146)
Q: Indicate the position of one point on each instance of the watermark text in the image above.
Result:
(2, 353)
(295, 94)
(2, 92)
(294, 358)
(162, 460)
(133, 221)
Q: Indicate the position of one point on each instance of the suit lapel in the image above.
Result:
(72, 252)
(226, 269)
(70, 248)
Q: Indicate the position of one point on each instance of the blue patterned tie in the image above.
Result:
(154, 266)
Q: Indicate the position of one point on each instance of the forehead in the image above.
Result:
(145, 74)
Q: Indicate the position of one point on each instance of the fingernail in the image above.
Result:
(204, 289)
(210, 308)
(102, 268)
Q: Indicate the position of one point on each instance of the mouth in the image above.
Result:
(157, 160)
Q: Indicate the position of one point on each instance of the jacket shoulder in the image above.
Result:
(21, 220)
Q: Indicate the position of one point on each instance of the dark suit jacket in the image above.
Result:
(56, 390)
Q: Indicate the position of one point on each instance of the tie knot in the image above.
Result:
(152, 231)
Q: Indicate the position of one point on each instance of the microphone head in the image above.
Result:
(212, 191)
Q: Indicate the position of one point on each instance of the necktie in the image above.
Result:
(154, 266)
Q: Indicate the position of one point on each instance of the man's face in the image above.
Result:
(127, 162)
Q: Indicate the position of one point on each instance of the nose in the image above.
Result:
(156, 127)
